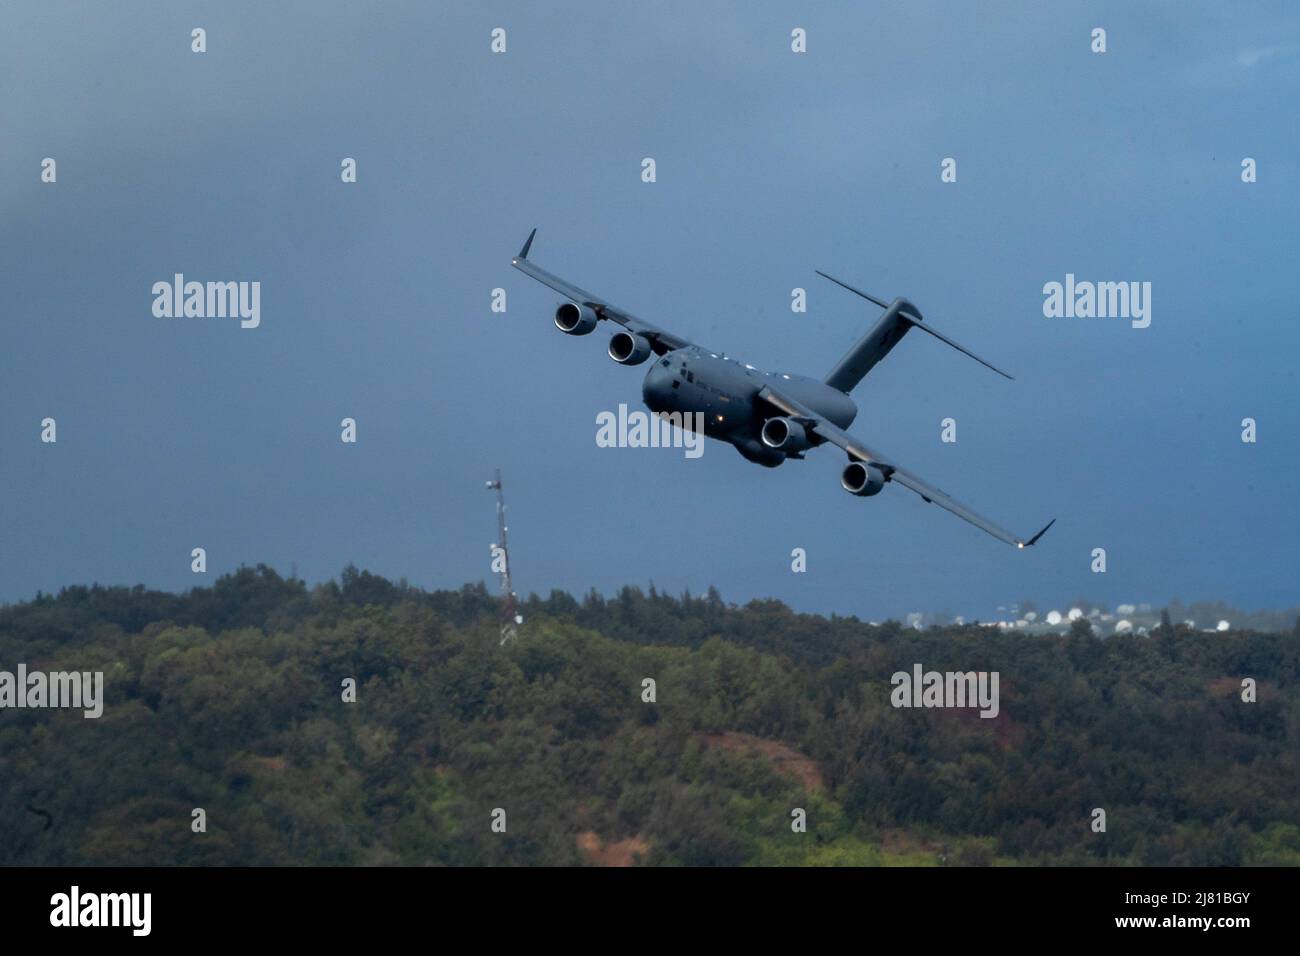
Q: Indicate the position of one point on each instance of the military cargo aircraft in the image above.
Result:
(769, 417)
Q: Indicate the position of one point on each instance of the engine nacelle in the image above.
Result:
(574, 319)
(758, 453)
(785, 435)
(628, 348)
(861, 479)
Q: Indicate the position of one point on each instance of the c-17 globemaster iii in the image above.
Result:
(768, 416)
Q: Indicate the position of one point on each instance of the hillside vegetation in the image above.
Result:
(229, 699)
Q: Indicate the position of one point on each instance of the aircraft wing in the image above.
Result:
(856, 450)
(660, 340)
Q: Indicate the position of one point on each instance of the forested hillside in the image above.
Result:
(229, 699)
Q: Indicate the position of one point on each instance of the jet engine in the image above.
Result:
(785, 435)
(575, 319)
(861, 479)
(628, 348)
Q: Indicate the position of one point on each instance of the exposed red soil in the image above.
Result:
(786, 759)
(627, 852)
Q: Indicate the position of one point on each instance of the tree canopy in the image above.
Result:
(230, 699)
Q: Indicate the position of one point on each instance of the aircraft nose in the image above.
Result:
(657, 389)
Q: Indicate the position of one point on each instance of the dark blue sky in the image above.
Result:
(176, 433)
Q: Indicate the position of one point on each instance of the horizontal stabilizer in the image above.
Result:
(900, 315)
(845, 285)
(917, 323)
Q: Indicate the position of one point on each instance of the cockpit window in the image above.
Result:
(664, 363)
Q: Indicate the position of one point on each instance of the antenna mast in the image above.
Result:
(510, 619)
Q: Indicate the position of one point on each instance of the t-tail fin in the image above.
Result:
(900, 315)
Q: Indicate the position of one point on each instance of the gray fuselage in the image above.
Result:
(725, 392)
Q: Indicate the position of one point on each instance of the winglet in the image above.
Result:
(523, 253)
(1030, 543)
